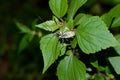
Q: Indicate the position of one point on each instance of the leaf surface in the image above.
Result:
(49, 47)
(115, 62)
(93, 35)
(58, 7)
(109, 17)
(48, 25)
(80, 18)
(70, 68)
(25, 42)
(117, 48)
(23, 28)
(74, 6)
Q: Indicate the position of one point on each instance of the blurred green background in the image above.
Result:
(28, 64)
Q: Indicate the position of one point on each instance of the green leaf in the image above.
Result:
(80, 18)
(63, 29)
(69, 24)
(70, 68)
(69, 52)
(56, 20)
(115, 62)
(99, 77)
(116, 22)
(101, 68)
(33, 24)
(93, 35)
(62, 49)
(74, 43)
(49, 47)
(113, 13)
(108, 70)
(48, 26)
(107, 19)
(117, 48)
(74, 6)
(95, 64)
(23, 28)
(25, 41)
(58, 7)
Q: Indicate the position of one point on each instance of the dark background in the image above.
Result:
(29, 63)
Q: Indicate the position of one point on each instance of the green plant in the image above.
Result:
(72, 39)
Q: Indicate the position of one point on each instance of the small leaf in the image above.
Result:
(49, 46)
(69, 52)
(63, 29)
(80, 18)
(115, 62)
(101, 68)
(70, 68)
(69, 24)
(48, 26)
(58, 7)
(74, 43)
(74, 6)
(108, 70)
(99, 77)
(23, 28)
(116, 22)
(62, 49)
(95, 64)
(107, 19)
(93, 35)
(56, 20)
(117, 48)
(25, 41)
(113, 13)
(33, 24)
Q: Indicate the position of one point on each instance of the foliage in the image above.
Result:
(87, 33)
(78, 45)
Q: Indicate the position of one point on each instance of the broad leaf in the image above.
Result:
(23, 28)
(93, 35)
(48, 25)
(58, 7)
(117, 48)
(80, 18)
(115, 62)
(49, 47)
(25, 41)
(74, 6)
(70, 68)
